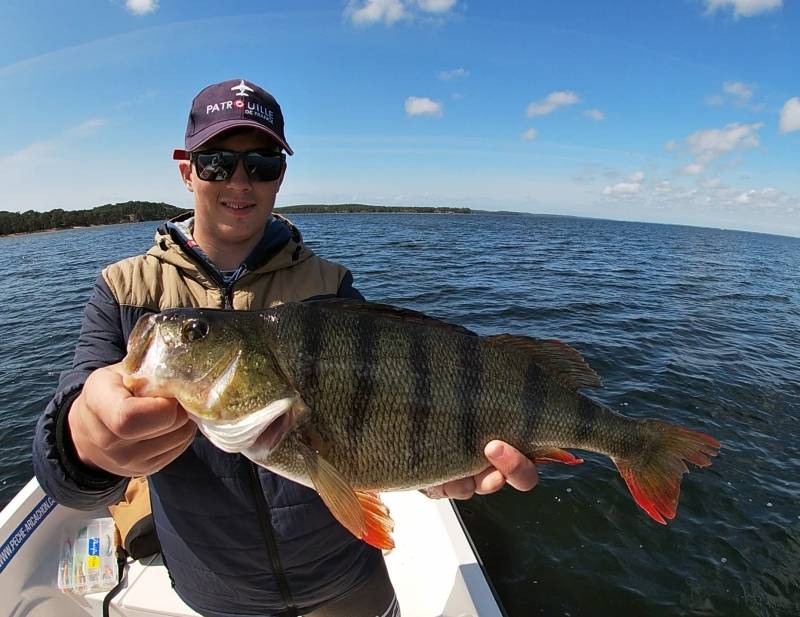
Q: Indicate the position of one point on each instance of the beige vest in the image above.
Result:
(166, 278)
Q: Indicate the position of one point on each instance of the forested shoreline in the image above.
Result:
(137, 211)
(109, 214)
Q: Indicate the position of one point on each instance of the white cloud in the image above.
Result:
(454, 74)
(736, 93)
(86, 128)
(744, 8)
(529, 135)
(740, 90)
(671, 145)
(623, 189)
(594, 114)
(141, 7)
(551, 102)
(664, 186)
(375, 11)
(790, 115)
(693, 169)
(436, 6)
(41, 149)
(766, 197)
(423, 106)
(365, 12)
(709, 144)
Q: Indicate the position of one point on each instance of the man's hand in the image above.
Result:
(509, 465)
(124, 434)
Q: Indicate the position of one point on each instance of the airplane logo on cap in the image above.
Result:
(242, 89)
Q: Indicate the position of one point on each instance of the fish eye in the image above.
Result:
(194, 330)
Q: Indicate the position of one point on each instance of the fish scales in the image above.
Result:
(384, 387)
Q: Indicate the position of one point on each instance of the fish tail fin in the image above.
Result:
(654, 475)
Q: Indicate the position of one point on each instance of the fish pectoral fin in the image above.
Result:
(363, 514)
(565, 363)
(555, 455)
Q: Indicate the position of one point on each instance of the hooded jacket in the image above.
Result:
(237, 539)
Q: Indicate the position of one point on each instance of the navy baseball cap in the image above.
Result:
(232, 104)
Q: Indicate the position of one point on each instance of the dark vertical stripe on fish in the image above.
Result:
(421, 398)
(585, 420)
(471, 378)
(364, 386)
(311, 324)
(533, 401)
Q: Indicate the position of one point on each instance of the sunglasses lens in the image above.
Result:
(214, 166)
(220, 165)
(263, 167)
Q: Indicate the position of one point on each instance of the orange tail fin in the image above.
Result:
(654, 477)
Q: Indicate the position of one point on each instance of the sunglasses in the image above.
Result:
(219, 165)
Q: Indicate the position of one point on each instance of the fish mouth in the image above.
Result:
(138, 344)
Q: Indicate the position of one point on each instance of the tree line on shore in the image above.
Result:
(109, 214)
(136, 211)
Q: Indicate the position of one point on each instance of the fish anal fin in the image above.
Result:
(555, 455)
(379, 523)
(362, 514)
(564, 362)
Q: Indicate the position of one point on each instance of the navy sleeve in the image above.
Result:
(346, 289)
(55, 461)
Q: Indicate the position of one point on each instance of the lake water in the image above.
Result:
(696, 326)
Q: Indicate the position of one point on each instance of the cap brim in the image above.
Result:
(201, 137)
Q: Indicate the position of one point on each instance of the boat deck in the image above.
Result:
(434, 568)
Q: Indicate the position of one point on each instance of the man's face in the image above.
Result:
(232, 211)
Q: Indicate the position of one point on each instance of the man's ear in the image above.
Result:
(185, 169)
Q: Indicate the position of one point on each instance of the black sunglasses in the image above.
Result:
(219, 165)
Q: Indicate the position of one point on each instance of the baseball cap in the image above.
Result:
(231, 104)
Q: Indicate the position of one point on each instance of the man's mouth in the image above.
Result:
(238, 205)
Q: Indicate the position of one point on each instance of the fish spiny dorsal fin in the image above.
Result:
(562, 361)
(387, 310)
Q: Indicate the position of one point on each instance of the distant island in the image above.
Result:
(365, 208)
(109, 214)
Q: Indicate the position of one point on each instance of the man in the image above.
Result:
(237, 539)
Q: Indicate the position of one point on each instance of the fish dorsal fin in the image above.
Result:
(565, 363)
(363, 514)
(387, 310)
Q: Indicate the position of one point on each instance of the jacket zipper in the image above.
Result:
(262, 506)
(262, 509)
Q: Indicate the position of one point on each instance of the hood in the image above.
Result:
(280, 247)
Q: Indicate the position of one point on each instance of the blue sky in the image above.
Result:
(678, 112)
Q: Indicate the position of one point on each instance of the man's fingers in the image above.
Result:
(460, 489)
(516, 468)
(489, 481)
(145, 417)
(158, 462)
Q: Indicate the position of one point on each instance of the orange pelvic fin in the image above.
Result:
(363, 514)
(555, 455)
(654, 479)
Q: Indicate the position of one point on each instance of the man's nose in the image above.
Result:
(239, 178)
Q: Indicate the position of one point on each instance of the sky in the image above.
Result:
(683, 112)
